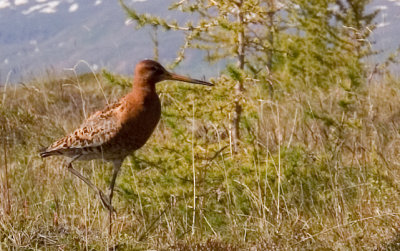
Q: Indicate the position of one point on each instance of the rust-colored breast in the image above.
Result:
(138, 119)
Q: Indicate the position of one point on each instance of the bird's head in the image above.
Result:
(152, 72)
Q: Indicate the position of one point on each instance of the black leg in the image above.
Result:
(117, 166)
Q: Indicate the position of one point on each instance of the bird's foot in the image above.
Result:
(106, 202)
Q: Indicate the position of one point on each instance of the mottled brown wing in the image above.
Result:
(98, 129)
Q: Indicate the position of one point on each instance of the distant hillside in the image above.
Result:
(36, 36)
(49, 36)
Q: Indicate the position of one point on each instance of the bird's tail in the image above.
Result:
(44, 153)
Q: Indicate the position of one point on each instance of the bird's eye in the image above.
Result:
(156, 69)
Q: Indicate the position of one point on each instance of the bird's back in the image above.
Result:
(113, 132)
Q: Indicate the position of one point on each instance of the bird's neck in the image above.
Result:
(143, 86)
(141, 91)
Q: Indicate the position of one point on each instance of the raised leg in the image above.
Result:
(106, 202)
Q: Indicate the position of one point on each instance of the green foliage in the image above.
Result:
(116, 80)
(328, 43)
(235, 73)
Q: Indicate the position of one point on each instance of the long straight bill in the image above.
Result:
(177, 77)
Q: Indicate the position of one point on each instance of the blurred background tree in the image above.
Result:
(297, 43)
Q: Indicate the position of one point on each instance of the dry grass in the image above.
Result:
(318, 169)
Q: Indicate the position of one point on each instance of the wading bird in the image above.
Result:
(121, 128)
